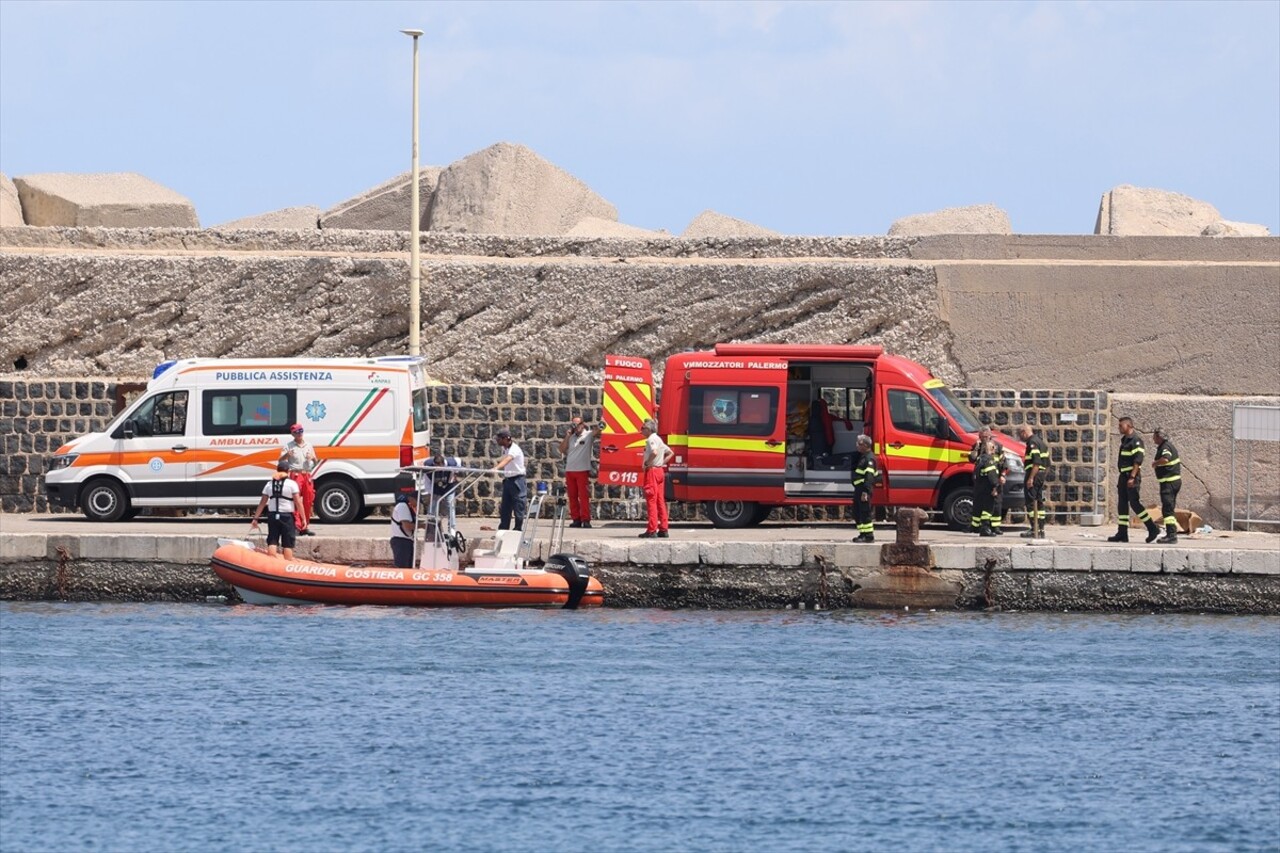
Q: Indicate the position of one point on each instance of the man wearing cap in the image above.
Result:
(302, 460)
(513, 483)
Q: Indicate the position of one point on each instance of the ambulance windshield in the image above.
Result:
(956, 408)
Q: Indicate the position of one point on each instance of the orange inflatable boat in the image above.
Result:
(564, 581)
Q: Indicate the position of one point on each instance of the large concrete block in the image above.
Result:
(613, 551)
(10, 206)
(1128, 211)
(708, 223)
(305, 218)
(388, 206)
(1031, 557)
(973, 219)
(650, 552)
(114, 200)
(711, 553)
(593, 226)
(747, 553)
(787, 554)
(508, 189)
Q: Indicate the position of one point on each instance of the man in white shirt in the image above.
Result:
(656, 457)
(278, 497)
(513, 483)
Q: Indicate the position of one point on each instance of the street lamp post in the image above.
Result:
(415, 274)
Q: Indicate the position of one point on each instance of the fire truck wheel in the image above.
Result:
(730, 513)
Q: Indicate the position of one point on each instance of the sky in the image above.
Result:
(819, 118)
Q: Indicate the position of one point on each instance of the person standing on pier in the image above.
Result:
(1129, 483)
(654, 465)
(864, 480)
(575, 447)
(986, 485)
(302, 461)
(1169, 475)
(1035, 459)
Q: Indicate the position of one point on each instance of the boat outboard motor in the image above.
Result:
(575, 570)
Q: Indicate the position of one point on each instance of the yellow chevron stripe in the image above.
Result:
(929, 452)
(627, 408)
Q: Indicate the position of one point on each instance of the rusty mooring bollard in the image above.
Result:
(907, 550)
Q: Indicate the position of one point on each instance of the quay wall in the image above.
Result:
(716, 575)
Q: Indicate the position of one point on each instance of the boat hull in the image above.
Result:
(262, 579)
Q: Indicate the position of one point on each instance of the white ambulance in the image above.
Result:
(208, 433)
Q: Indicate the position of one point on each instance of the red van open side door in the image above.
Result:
(628, 402)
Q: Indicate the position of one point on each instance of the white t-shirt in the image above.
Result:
(514, 468)
(655, 451)
(399, 514)
(578, 455)
(288, 491)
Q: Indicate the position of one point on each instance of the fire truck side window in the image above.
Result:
(732, 411)
(910, 412)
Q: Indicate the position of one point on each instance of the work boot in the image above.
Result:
(1170, 537)
(1040, 534)
(1122, 535)
(1152, 532)
(1029, 533)
(576, 524)
(986, 531)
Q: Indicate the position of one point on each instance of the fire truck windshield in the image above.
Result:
(956, 408)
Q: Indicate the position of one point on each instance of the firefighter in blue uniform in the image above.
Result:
(1129, 483)
(864, 480)
(1169, 475)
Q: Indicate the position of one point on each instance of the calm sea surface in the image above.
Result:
(185, 727)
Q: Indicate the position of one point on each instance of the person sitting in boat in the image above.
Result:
(402, 522)
(278, 497)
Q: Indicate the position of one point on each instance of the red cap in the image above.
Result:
(296, 428)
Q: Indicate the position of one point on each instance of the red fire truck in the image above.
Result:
(758, 426)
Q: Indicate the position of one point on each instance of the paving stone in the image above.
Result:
(1066, 559)
(711, 553)
(1146, 560)
(1001, 557)
(1112, 559)
(949, 556)
(683, 553)
(1030, 557)
(24, 546)
(741, 554)
(1256, 563)
(788, 554)
(650, 552)
(1218, 561)
(613, 552)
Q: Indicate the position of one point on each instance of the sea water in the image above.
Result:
(239, 728)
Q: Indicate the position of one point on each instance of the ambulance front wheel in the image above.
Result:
(337, 502)
(104, 500)
(731, 513)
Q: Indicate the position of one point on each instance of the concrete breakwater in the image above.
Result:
(693, 570)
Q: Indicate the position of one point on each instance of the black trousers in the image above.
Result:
(1127, 500)
(1169, 500)
(401, 552)
(983, 504)
(513, 504)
